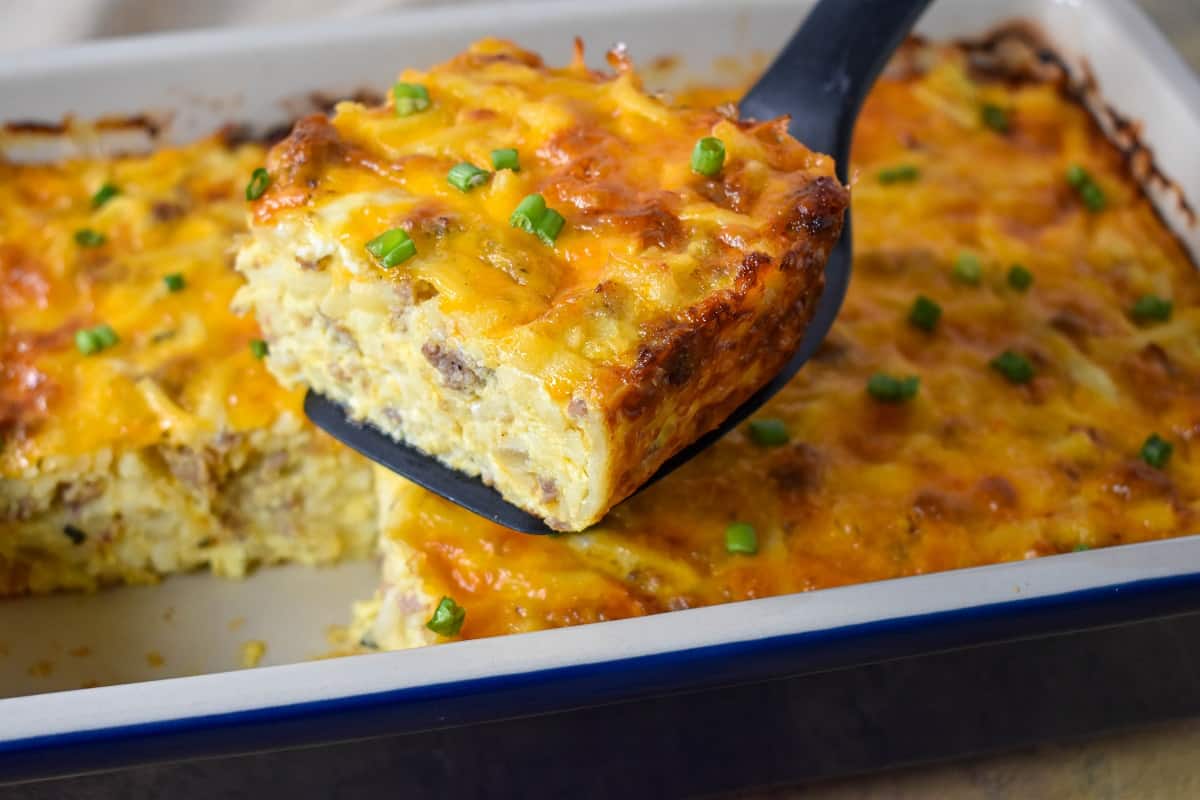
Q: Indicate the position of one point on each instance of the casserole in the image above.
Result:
(476, 680)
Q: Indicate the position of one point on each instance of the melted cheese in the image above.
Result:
(614, 160)
(183, 366)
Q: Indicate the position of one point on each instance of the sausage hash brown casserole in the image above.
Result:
(545, 277)
(1016, 371)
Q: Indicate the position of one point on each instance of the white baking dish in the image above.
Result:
(205, 79)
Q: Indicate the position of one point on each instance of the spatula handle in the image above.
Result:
(822, 75)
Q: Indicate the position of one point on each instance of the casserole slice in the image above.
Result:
(141, 432)
(544, 277)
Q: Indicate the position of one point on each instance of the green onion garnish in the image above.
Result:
(924, 313)
(769, 432)
(1151, 308)
(740, 537)
(506, 158)
(259, 181)
(1156, 451)
(105, 335)
(86, 237)
(104, 194)
(174, 282)
(532, 216)
(447, 619)
(392, 247)
(1079, 548)
(549, 226)
(1093, 197)
(708, 156)
(86, 342)
(528, 212)
(466, 177)
(994, 117)
(259, 349)
(410, 98)
(1013, 366)
(76, 536)
(899, 174)
(1019, 278)
(889, 389)
(92, 340)
(968, 269)
(1089, 191)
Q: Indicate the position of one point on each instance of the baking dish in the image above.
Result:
(189, 75)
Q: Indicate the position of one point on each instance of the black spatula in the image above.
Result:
(820, 79)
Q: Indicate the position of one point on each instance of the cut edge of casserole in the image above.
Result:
(562, 374)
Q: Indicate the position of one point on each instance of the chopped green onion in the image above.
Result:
(1013, 366)
(174, 282)
(889, 389)
(1093, 197)
(1156, 451)
(76, 536)
(899, 174)
(1151, 308)
(86, 237)
(1079, 548)
(104, 194)
(968, 268)
(549, 226)
(924, 313)
(769, 432)
(528, 212)
(86, 342)
(105, 335)
(740, 537)
(1019, 278)
(532, 216)
(1089, 191)
(259, 181)
(708, 156)
(466, 177)
(994, 117)
(392, 247)
(447, 619)
(506, 158)
(92, 340)
(259, 349)
(410, 98)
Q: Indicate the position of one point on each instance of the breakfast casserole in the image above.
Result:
(140, 432)
(545, 277)
(1015, 373)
